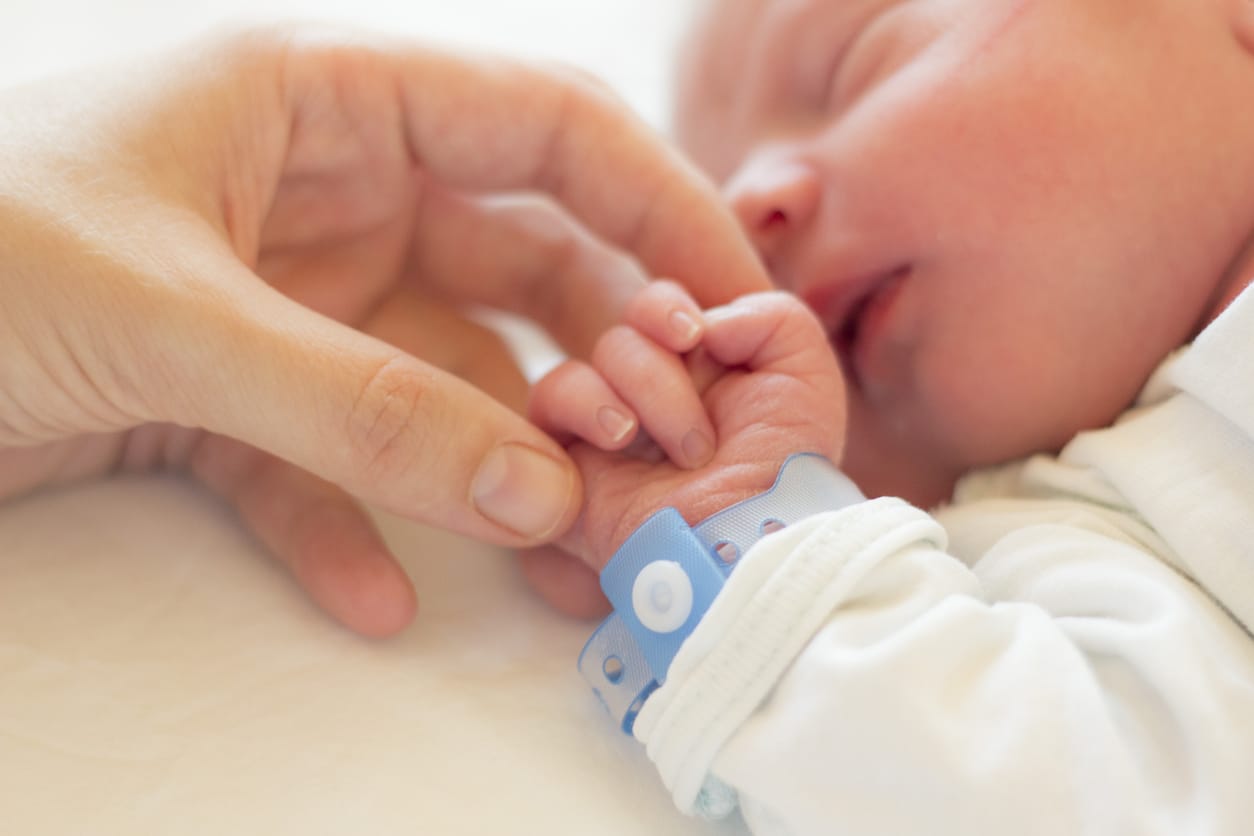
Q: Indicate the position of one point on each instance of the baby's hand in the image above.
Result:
(724, 397)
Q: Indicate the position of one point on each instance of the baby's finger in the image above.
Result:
(574, 400)
(773, 331)
(666, 313)
(655, 383)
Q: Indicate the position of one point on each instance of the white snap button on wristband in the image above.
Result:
(662, 596)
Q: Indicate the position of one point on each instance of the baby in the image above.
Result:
(1008, 216)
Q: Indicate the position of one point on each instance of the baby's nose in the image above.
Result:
(774, 199)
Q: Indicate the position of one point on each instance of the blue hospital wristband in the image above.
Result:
(666, 575)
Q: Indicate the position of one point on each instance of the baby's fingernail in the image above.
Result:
(697, 447)
(523, 490)
(685, 325)
(615, 423)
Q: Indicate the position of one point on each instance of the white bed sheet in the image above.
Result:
(159, 674)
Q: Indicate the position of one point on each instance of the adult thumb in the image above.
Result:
(380, 423)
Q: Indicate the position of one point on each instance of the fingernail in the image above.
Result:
(684, 325)
(522, 489)
(697, 447)
(615, 423)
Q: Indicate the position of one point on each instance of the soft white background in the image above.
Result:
(159, 675)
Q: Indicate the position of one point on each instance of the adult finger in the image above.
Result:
(445, 338)
(495, 124)
(316, 531)
(525, 254)
(567, 583)
(354, 410)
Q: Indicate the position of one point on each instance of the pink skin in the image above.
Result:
(1005, 212)
(664, 322)
(762, 378)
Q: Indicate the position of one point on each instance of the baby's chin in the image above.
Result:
(919, 489)
(896, 472)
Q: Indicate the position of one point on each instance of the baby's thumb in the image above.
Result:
(358, 412)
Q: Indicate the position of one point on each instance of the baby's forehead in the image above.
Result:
(720, 36)
(725, 33)
(714, 67)
(720, 23)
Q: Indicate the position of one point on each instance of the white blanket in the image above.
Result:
(158, 674)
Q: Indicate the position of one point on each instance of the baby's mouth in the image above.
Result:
(845, 336)
(853, 312)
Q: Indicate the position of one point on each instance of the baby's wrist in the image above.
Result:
(699, 498)
(666, 575)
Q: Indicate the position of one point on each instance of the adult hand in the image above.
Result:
(226, 259)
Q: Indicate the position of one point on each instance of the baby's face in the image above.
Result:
(1007, 212)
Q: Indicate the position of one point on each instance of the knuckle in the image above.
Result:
(779, 305)
(577, 99)
(797, 315)
(299, 56)
(550, 392)
(387, 421)
(616, 342)
(578, 377)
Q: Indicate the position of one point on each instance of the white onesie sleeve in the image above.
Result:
(855, 678)
(1087, 667)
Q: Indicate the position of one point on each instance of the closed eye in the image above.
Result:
(858, 61)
